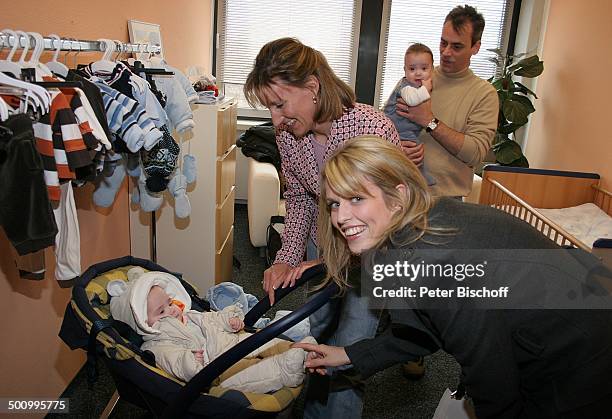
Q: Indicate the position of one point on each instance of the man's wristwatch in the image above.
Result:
(433, 124)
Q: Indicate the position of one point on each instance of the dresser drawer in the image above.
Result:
(224, 218)
(226, 127)
(224, 258)
(226, 174)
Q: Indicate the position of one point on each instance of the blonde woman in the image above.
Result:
(546, 363)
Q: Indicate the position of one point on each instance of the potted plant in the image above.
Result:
(514, 104)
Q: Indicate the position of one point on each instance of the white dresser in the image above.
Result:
(200, 246)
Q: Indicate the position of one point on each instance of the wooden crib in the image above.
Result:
(521, 191)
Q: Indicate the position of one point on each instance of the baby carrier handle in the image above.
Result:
(263, 305)
(202, 381)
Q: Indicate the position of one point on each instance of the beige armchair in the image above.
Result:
(264, 199)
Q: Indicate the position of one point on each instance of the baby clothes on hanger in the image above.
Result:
(128, 120)
(134, 87)
(94, 97)
(61, 146)
(68, 238)
(190, 92)
(177, 106)
(177, 103)
(179, 76)
(25, 210)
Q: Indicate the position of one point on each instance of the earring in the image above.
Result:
(314, 100)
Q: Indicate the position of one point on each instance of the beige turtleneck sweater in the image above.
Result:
(467, 104)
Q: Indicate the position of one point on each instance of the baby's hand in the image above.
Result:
(428, 84)
(236, 324)
(199, 356)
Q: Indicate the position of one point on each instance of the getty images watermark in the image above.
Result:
(486, 279)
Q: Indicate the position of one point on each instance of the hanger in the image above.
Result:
(26, 46)
(7, 65)
(54, 65)
(105, 65)
(76, 54)
(4, 110)
(40, 97)
(69, 51)
(39, 47)
(120, 49)
(35, 68)
(156, 61)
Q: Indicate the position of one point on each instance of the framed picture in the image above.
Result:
(145, 33)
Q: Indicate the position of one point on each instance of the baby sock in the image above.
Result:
(108, 183)
(190, 169)
(178, 189)
(148, 200)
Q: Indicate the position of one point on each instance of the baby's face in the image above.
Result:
(159, 305)
(417, 67)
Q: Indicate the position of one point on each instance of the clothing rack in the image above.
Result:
(78, 45)
(70, 44)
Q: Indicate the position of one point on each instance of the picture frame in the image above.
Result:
(145, 33)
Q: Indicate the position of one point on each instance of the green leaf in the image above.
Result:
(515, 111)
(520, 162)
(513, 67)
(525, 101)
(531, 71)
(525, 63)
(499, 138)
(497, 84)
(507, 152)
(496, 51)
(508, 128)
(524, 89)
(529, 61)
(494, 60)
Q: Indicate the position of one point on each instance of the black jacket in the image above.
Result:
(515, 363)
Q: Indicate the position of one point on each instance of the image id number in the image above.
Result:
(24, 405)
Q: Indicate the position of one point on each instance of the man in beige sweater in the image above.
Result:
(461, 117)
(460, 120)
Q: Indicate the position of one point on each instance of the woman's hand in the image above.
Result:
(281, 275)
(274, 276)
(321, 356)
(298, 271)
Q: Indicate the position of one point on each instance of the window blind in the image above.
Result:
(244, 26)
(411, 21)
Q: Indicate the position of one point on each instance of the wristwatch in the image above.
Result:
(432, 125)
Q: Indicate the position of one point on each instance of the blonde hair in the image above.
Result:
(293, 63)
(371, 158)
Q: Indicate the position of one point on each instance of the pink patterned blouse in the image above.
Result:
(301, 173)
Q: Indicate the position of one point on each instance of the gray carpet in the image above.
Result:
(388, 394)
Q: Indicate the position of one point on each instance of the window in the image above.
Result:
(413, 21)
(244, 26)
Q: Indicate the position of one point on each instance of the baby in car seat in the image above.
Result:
(184, 341)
